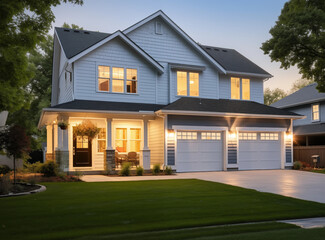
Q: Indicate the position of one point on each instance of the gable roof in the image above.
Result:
(233, 62)
(226, 107)
(91, 44)
(308, 94)
(75, 41)
(187, 38)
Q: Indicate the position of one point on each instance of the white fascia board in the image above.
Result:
(59, 110)
(223, 114)
(127, 41)
(249, 74)
(180, 31)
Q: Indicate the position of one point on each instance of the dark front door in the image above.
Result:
(81, 151)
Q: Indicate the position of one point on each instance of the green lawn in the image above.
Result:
(318, 170)
(104, 210)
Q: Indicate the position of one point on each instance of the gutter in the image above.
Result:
(223, 114)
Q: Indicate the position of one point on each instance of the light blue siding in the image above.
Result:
(170, 47)
(116, 54)
(306, 110)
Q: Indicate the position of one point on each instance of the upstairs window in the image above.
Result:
(187, 84)
(315, 112)
(235, 88)
(114, 79)
(240, 88)
(103, 78)
(118, 80)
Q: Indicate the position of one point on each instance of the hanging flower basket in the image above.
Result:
(63, 125)
(86, 128)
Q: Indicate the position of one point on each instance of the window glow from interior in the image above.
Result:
(194, 84)
(181, 83)
(246, 93)
(315, 115)
(235, 88)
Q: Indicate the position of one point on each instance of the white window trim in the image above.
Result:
(188, 83)
(156, 28)
(101, 139)
(111, 79)
(312, 112)
(198, 128)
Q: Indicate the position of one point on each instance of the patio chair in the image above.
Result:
(133, 158)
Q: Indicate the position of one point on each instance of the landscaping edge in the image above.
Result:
(41, 189)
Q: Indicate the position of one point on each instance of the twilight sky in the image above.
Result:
(240, 24)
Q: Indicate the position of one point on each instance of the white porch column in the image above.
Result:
(60, 140)
(109, 158)
(145, 152)
(49, 139)
(109, 134)
(62, 152)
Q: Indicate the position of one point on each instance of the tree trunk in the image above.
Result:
(14, 169)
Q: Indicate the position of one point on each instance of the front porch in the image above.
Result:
(121, 139)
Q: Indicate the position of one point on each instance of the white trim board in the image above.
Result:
(260, 129)
(198, 128)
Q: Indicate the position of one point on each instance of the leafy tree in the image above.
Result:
(72, 26)
(16, 143)
(299, 84)
(23, 24)
(298, 38)
(272, 96)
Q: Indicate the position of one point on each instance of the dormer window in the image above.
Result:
(240, 88)
(315, 112)
(187, 84)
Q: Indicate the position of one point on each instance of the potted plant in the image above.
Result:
(86, 128)
(63, 125)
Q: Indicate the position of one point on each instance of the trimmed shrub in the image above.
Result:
(49, 169)
(33, 167)
(125, 171)
(156, 169)
(168, 170)
(297, 165)
(4, 169)
(5, 184)
(139, 171)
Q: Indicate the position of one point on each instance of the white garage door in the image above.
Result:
(259, 150)
(199, 151)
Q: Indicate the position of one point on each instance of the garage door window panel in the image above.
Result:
(186, 135)
(247, 136)
(269, 136)
(211, 136)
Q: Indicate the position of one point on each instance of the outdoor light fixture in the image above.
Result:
(232, 135)
(171, 133)
(289, 135)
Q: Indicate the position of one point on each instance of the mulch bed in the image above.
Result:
(38, 177)
(20, 188)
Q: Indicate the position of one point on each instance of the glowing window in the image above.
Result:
(211, 136)
(135, 139)
(247, 136)
(194, 84)
(101, 140)
(270, 136)
(103, 78)
(246, 93)
(182, 83)
(131, 80)
(82, 141)
(187, 135)
(235, 88)
(121, 139)
(315, 114)
(118, 80)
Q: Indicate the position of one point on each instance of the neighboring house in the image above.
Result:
(153, 90)
(309, 133)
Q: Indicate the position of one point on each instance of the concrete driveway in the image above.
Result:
(297, 184)
(291, 183)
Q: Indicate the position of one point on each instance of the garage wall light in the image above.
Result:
(232, 135)
(171, 133)
(289, 135)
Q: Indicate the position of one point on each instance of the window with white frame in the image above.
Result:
(128, 139)
(114, 79)
(247, 136)
(101, 140)
(186, 135)
(270, 136)
(187, 84)
(210, 135)
(240, 88)
(315, 112)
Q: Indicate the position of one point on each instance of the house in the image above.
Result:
(153, 90)
(309, 133)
